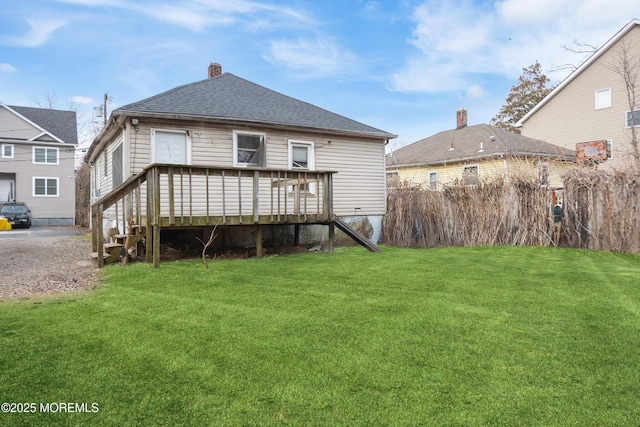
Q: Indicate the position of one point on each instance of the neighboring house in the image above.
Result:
(591, 108)
(227, 151)
(37, 162)
(469, 154)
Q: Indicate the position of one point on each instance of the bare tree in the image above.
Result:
(583, 49)
(50, 101)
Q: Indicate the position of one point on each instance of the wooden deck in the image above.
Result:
(175, 196)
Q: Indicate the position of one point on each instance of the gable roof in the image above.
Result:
(586, 64)
(230, 98)
(60, 124)
(473, 143)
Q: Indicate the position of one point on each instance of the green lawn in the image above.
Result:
(461, 336)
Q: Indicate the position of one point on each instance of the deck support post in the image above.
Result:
(296, 235)
(332, 235)
(100, 235)
(156, 246)
(259, 248)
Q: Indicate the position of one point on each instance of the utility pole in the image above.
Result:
(106, 97)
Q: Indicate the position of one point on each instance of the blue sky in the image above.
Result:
(402, 66)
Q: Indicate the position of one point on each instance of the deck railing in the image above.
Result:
(181, 196)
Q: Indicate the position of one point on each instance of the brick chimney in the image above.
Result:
(461, 118)
(215, 69)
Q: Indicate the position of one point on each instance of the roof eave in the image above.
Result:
(597, 54)
(563, 157)
(242, 121)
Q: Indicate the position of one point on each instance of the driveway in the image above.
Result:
(45, 260)
(35, 231)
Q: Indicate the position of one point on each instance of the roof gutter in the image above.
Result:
(564, 157)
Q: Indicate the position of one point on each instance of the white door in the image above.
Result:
(7, 193)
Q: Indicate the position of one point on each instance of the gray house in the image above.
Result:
(37, 162)
(225, 151)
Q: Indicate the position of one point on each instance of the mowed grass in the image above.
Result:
(460, 336)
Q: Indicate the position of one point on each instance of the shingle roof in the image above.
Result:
(229, 97)
(467, 144)
(61, 123)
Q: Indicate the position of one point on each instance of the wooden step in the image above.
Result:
(110, 246)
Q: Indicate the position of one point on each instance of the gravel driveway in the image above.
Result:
(43, 261)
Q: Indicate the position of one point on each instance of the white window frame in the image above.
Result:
(187, 135)
(46, 155)
(12, 149)
(433, 185)
(629, 120)
(475, 165)
(609, 149)
(310, 188)
(115, 148)
(310, 146)
(46, 186)
(543, 173)
(599, 104)
(235, 149)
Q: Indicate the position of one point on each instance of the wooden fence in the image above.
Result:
(601, 211)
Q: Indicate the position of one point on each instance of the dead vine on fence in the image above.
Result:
(601, 211)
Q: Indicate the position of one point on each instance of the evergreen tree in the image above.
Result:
(531, 88)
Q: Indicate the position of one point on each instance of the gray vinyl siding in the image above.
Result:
(358, 183)
(570, 117)
(55, 210)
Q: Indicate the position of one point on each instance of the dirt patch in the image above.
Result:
(39, 266)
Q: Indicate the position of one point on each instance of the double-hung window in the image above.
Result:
(633, 119)
(249, 149)
(45, 187)
(433, 181)
(7, 151)
(45, 155)
(543, 174)
(470, 175)
(301, 157)
(117, 166)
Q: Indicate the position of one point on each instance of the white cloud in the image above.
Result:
(456, 41)
(198, 15)
(40, 32)
(84, 100)
(475, 92)
(525, 12)
(7, 68)
(315, 57)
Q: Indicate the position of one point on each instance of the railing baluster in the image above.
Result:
(181, 198)
(206, 177)
(256, 198)
(172, 208)
(240, 196)
(190, 196)
(224, 198)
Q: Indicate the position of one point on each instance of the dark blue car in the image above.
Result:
(18, 214)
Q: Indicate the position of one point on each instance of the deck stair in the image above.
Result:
(113, 250)
(359, 238)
